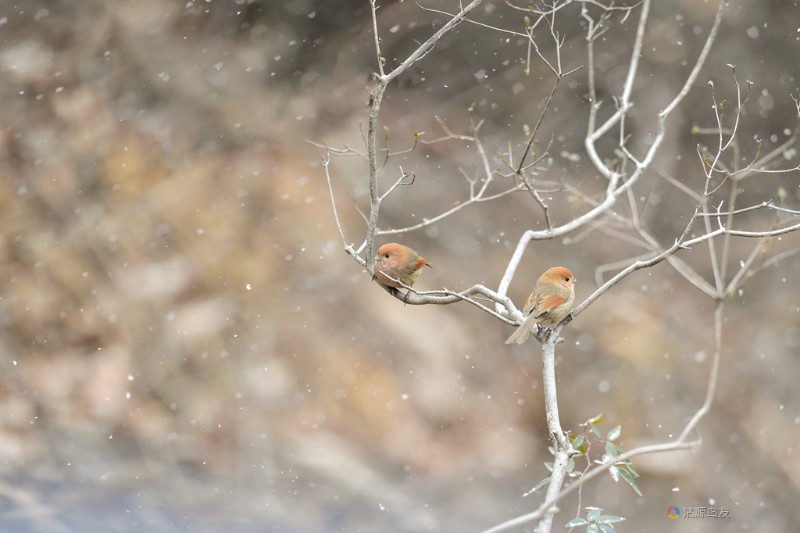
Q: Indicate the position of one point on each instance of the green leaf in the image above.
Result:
(570, 465)
(612, 449)
(610, 519)
(595, 430)
(549, 466)
(614, 471)
(575, 522)
(596, 420)
(626, 462)
(614, 433)
(627, 476)
(592, 528)
(592, 513)
(577, 441)
(607, 529)
(538, 486)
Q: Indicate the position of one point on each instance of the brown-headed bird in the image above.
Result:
(549, 303)
(397, 263)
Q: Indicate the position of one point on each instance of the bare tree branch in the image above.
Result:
(716, 212)
(680, 443)
(377, 96)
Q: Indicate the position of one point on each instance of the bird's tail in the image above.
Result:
(522, 333)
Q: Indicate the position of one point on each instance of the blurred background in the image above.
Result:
(185, 346)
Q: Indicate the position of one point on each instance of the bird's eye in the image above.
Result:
(386, 256)
(566, 279)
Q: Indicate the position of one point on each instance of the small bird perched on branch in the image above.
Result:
(548, 304)
(397, 263)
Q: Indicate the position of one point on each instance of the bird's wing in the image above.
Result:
(548, 303)
(530, 302)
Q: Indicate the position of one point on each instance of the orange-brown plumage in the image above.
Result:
(397, 263)
(548, 304)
